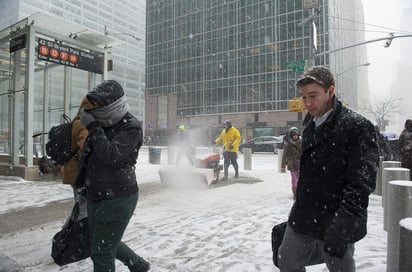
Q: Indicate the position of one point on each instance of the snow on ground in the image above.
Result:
(223, 229)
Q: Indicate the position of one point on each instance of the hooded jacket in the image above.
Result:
(107, 165)
(291, 154)
(338, 170)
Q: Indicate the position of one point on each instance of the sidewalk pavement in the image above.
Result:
(29, 217)
(9, 265)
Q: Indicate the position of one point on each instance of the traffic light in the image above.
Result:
(296, 105)
(389, 40)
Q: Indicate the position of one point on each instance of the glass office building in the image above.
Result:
(208, 60)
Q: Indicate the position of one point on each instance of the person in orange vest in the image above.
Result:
(230, 139)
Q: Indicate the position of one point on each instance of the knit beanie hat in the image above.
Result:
(105, 93)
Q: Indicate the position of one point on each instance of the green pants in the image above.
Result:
(108, 220)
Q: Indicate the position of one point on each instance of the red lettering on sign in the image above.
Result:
(54, 53)
(73, 58)
(64, 55)
(43, 50)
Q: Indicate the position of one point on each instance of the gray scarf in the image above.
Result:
(111, 114)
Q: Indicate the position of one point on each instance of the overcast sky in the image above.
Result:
(389, 70)
(382, 17)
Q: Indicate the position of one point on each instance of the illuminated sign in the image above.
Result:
(17, 43)
(62, 54)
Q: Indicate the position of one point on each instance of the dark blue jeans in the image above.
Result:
(108, 220)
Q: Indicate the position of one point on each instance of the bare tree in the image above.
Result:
(382, 109)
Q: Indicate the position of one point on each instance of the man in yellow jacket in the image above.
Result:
(230, 139)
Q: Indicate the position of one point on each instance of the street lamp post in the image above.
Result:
(388, 41)
(352, 68)
(312, 36)
(108, 65)
(106, 32)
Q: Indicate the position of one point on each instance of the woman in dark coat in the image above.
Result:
(107, 176)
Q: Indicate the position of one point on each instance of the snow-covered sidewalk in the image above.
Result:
(224, 229)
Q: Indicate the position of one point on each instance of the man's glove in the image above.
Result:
(88, 120)
(335, 243)
(231, 146)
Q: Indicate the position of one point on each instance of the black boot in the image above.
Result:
(141, 266)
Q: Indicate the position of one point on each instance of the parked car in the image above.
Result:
(263, 144)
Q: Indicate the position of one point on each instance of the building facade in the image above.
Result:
(35, 93)
(124, 19)
(207, 61)
(402, 82)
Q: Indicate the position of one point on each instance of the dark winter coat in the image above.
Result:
(107, 165)
(338, 170)
(384, 148)
(291, 154)
(405, 145)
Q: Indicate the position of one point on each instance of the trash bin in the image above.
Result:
(154, 155)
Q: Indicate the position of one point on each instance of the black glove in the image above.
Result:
(88, 120)
(336, 244)
(231, 146)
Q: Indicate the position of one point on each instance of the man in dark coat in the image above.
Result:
(405, 146)
(339, 162)
(107, 176)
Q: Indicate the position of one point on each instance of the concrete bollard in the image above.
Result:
(405, 244)
(399, 207)
(378, 188)
(388, 174)
(384, 184)
(280, 155)
(247, 158)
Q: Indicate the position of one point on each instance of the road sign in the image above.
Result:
(296, 105)
(298, 69)
(307, 4)
(296, 66)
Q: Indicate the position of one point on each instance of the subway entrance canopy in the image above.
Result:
(46, 67)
